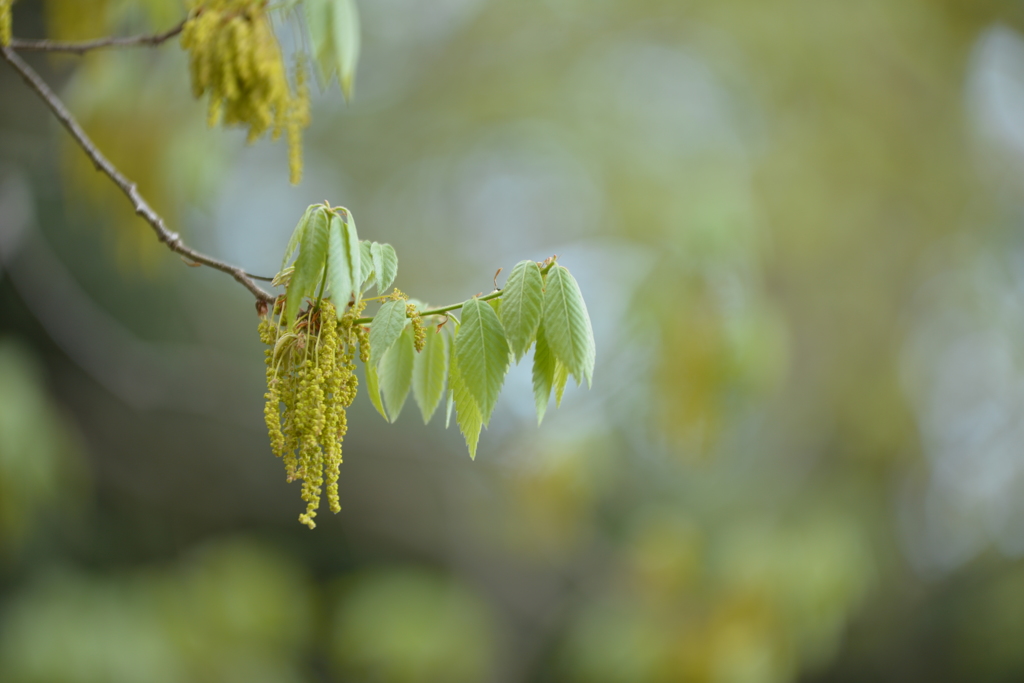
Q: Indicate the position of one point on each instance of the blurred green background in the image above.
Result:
(799, 226)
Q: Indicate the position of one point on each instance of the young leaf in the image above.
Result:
(309, 266)
(296, 238)
(429, 373)
(387, 325)
(396, 372)
(334, 35)
(467, 411)
(482, 353)
(561, 377)
(339, 266)
(543, 374)
(521, 307)
(449, 404)
(451, 381)
(385, 265)
(366, 261)
(353, 251)
(318, 21)
(567, 324)
(373, 389)
(345, 27)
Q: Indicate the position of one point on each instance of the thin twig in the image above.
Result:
(80, 48)
(442, 310)
(142, 208)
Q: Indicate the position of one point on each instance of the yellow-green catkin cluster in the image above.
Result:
(5, 22)
(419, 331)
(310, 382)
(234, 56)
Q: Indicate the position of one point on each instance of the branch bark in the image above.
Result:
(102, 164)
(80, 48)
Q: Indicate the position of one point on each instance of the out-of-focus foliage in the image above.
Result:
(797, 225)
(91, 19)
(135, 108)
(234, 612)
(552, 498)
(41, 468)
(238, 611)
(137, 111)
(5, 21)
(409, 626)
(756, 601)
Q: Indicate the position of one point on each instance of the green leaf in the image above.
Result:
(451, 383)
(467, 411)
(429, 372)
(482, 353)
(373, 389)
(345, 37)
(352, 250)
(561, 377)
(319, 25)
(334, 36)
(309, 266)
(385, 329)
(543, 374)
(567, 324)
(396, 373)
(366, 264)
(339, 266)
(385, 265)
(296, 238)
(522, 305)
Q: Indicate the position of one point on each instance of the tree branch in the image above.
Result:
(142, 208)
(80, 48)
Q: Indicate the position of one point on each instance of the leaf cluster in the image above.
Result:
(406, 347)
(540, 307)
(332, 262)
(431, 353)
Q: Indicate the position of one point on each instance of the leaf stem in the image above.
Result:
(548, 264)
(443, 309)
